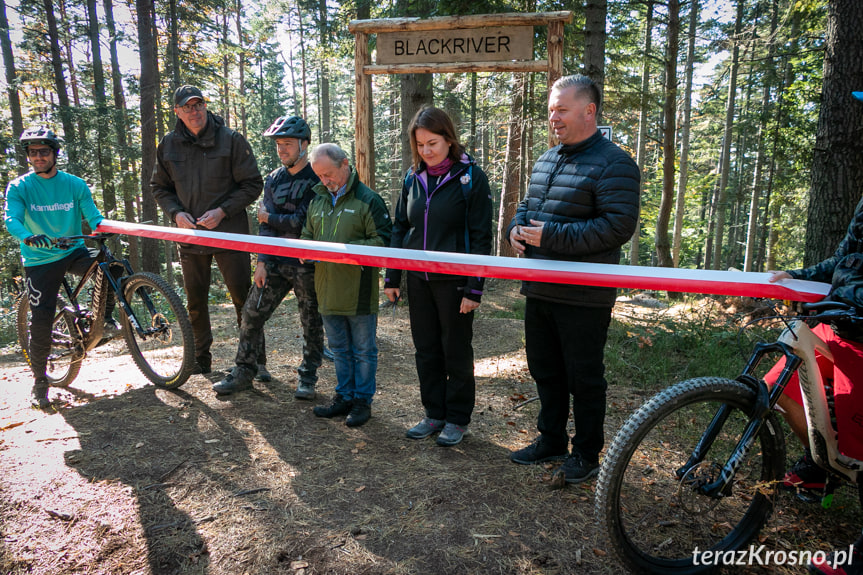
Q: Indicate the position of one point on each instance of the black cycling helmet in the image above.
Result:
(42, 136)
(289, 127)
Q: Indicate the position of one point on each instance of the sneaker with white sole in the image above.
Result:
(452, 434)
(425, 428)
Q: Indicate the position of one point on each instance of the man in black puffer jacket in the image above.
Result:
(581, 206)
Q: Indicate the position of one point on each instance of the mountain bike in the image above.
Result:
(153, 320)
(697, 467)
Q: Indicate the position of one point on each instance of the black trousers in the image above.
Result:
(565, 347)
(236, 269)
(444, 352)
(43, 285)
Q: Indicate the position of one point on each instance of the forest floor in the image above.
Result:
(120, 477)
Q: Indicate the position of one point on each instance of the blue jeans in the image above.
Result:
(352, 341)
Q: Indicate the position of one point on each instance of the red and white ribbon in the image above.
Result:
(747, 284)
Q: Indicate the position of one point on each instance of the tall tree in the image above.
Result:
(149, 86)
(643, 111)
(127, 183)
(685, 127)
(837, 169)
(595, 14)
(12, 87)
(719, 207)
(510, 192)
(672, 33)
(324, 31)
(760, 160)
(60, 87)
(103, 120)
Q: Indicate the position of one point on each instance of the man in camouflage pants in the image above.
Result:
(282, 213)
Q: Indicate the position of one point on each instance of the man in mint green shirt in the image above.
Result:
(44, 204)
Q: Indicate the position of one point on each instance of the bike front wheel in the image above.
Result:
(65, 356)
(158, 331)
(651, 513)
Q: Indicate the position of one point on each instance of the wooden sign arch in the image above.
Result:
(363, 66)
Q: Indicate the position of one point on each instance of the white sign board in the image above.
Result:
(606, 131)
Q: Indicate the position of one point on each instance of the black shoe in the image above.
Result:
(39, 398)
(537, 452)
(203, 366)
(338, 406)
(576, 469)
(263, 374)
(238, 379)
(805, 474)
(305, 390)
(360, 413)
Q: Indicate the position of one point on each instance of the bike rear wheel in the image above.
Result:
(165, 353)
(65, 356)
(654, 520)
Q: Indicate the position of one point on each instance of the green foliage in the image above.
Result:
(288, 47)
(651, 352)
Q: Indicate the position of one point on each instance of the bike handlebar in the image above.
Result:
(830, 310)
(65, 242)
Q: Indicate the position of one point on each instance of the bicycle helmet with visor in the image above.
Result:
(289, 127)
(40, 136)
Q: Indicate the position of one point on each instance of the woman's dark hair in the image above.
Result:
(437, 122)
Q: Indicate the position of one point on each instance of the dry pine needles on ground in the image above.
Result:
(122, 478)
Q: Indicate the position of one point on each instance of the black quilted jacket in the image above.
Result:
(587, 195)
(844, 269)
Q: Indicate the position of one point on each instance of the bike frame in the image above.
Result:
(799, 345)
(101, 266)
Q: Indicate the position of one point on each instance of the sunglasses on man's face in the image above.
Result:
(41, 152)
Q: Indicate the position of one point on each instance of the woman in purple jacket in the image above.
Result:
(445, 205)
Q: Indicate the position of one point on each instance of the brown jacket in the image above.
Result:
(216, 169)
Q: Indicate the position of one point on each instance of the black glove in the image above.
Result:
(38, 240)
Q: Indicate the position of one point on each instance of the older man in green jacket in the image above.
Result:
(349, 212)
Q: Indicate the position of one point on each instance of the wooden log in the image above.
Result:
(536, 66)
(555, 63)
(364, 100)
(451, 22)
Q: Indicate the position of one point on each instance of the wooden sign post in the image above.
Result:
(477, 43)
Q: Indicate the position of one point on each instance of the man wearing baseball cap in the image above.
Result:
(205, 177)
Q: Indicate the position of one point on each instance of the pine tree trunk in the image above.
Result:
(127, 184)
(510, 192)
(60, 87)
(757, 177)
(12, 88)
(641, 145)
(241, 69)
(837, 168)
(680, 203)
(725, 166)
(326, 126)
(174, 45)
(416, 90)
(149, 86)
(303, 61)
(595, 13)
(104, 149)
(663, 247)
